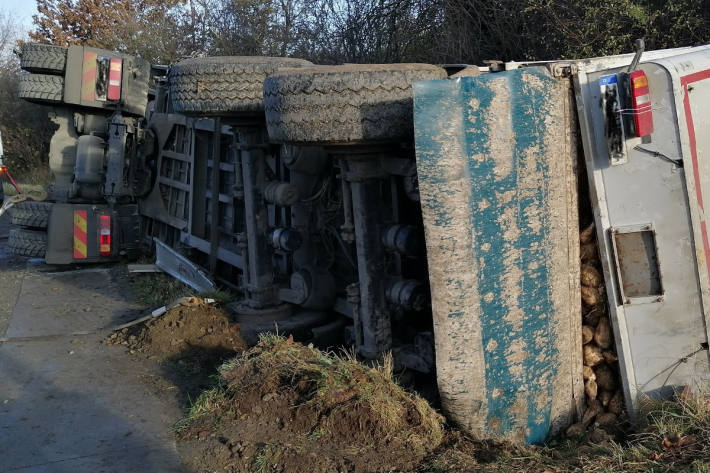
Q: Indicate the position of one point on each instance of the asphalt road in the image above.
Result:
(69, 403)
(12, 270)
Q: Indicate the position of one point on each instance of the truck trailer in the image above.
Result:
(428, 211)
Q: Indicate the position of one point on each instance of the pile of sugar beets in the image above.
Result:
(604, 399)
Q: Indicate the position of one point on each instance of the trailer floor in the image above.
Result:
(67, 403)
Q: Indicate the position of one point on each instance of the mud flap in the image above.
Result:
(67, 245)
(496, 161)
(60, 235)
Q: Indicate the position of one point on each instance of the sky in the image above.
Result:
(21, 9)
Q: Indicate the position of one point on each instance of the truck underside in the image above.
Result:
(375, 206)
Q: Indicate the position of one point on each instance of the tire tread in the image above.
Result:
(30, 243)
(343, 104)
(42, 58)
(41, 88)
(31, 214)
(223, 85)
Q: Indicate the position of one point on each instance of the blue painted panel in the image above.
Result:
(485, 146)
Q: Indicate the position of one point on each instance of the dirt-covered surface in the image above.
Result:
(284, 407)
(188, 342)
(192, 326)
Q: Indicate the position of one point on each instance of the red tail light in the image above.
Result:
(114, 79)
(641, 103)
(104, 235)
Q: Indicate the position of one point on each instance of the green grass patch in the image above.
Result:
(215, 399)
(158, 289)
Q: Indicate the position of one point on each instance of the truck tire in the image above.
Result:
(31, 214)
(343, 104)
(42, 58)
(27, 243)
(225, 85)
(41, 88)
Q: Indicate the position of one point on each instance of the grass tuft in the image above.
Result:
(672, 437)
(210, 401)
(268, 457)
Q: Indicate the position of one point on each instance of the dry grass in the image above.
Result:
(331, 385)
(673, 437)
(37, 178)
(157, 289)
(8, 188)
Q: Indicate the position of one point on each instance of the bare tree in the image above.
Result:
(147, 28)
(25, 128)
(9, 34)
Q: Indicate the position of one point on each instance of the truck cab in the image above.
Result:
(98, 101)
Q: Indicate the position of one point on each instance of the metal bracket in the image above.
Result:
(181, 268)
(562, 70)
(639, 47)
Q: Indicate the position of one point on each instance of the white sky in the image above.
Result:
(22, 10)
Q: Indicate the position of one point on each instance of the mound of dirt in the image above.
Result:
(192, 326)
(284, 407)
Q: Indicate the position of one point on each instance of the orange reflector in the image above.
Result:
(80, 248)
(88, 77)
(104, 235)
(641, 103)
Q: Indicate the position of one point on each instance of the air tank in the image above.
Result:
(89, 160)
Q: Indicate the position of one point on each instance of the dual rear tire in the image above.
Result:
(349, 104)
(31, 214)
(30, 239)
(41, 88)
(47, 64)
(224, 86)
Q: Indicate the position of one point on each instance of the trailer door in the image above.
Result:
(496, 158)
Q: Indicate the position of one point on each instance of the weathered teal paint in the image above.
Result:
(519, 352)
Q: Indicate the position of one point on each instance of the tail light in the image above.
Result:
(641, 103)
(104, 235)
(114, 79)
(101, 80)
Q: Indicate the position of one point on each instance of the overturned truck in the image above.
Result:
(428, 211)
